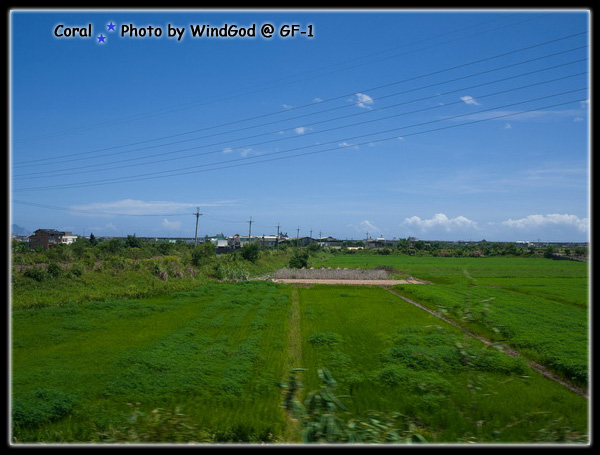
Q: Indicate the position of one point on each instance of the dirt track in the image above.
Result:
(385, 283)
(348, 282)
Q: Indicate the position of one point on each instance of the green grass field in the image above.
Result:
(538, 306)
(217, 352)
(208, 361)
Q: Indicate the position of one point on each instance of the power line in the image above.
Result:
(153, 175)
(137, 164)
(39, 161)
(89, 212)
(271, 85)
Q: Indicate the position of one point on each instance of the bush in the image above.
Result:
(46, 405)
(54, 270)
(250, 252)
(299, 260)
(202, 253)
(324, 339)
(35, 273)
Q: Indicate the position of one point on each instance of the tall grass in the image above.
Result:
(392, 357)
(217, 352)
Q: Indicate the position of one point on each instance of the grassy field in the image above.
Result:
(218, 352)
(203, 363)
(536, 305)
(392, 357)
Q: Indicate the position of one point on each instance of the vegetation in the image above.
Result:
(537, 306)
(131, 341)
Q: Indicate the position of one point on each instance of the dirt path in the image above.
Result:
(507, 350)
(386, 284)
(349, 282)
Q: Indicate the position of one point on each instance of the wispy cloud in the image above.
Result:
(366, 226)
(523, 116)
(555, 219)
(301, 130)
(363, 100)
(348, 144)
(171, 225)
(467, 99)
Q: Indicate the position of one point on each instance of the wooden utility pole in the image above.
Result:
(250, 230)
(277, 239)
(197, 216)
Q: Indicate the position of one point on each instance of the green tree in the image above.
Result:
(299, 260)
(202, 253)
(93, 239)
(133, 242)
(549, 251)
(251, 252)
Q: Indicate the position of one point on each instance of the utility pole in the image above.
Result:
(298, 236)
(249, 230)
(197, 216)
(367, 242)
(277, 239)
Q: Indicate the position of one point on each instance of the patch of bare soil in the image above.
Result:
(350, 282)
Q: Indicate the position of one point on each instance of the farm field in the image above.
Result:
(204, 366)
(216, 352)
(535, 305)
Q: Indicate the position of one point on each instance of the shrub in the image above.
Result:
(202, 253)
(54, 270)
(45, 405)
(299, 260)
(35, 273)
(250, 252)
(324, 339)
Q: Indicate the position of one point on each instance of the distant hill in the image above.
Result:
(18, 230)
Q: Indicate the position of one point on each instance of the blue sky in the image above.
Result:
(443, 125)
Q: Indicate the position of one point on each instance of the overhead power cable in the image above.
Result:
(90, 212)
(271, 84)
(346, 95)
(363, 112)
(137, 163)
(187, 170)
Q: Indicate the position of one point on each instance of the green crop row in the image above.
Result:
(388, 355)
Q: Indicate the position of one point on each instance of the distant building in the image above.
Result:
(47, 238)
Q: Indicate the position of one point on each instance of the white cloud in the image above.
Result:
(286, 106)
(301, 130)
(440, 220)
(366, 226)
(246, 152)
(348, 144)
(555, 219)
(317, 100)
(507, 126)
(227, 150)
(469, 100)
(363, 100)
(171, 225)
